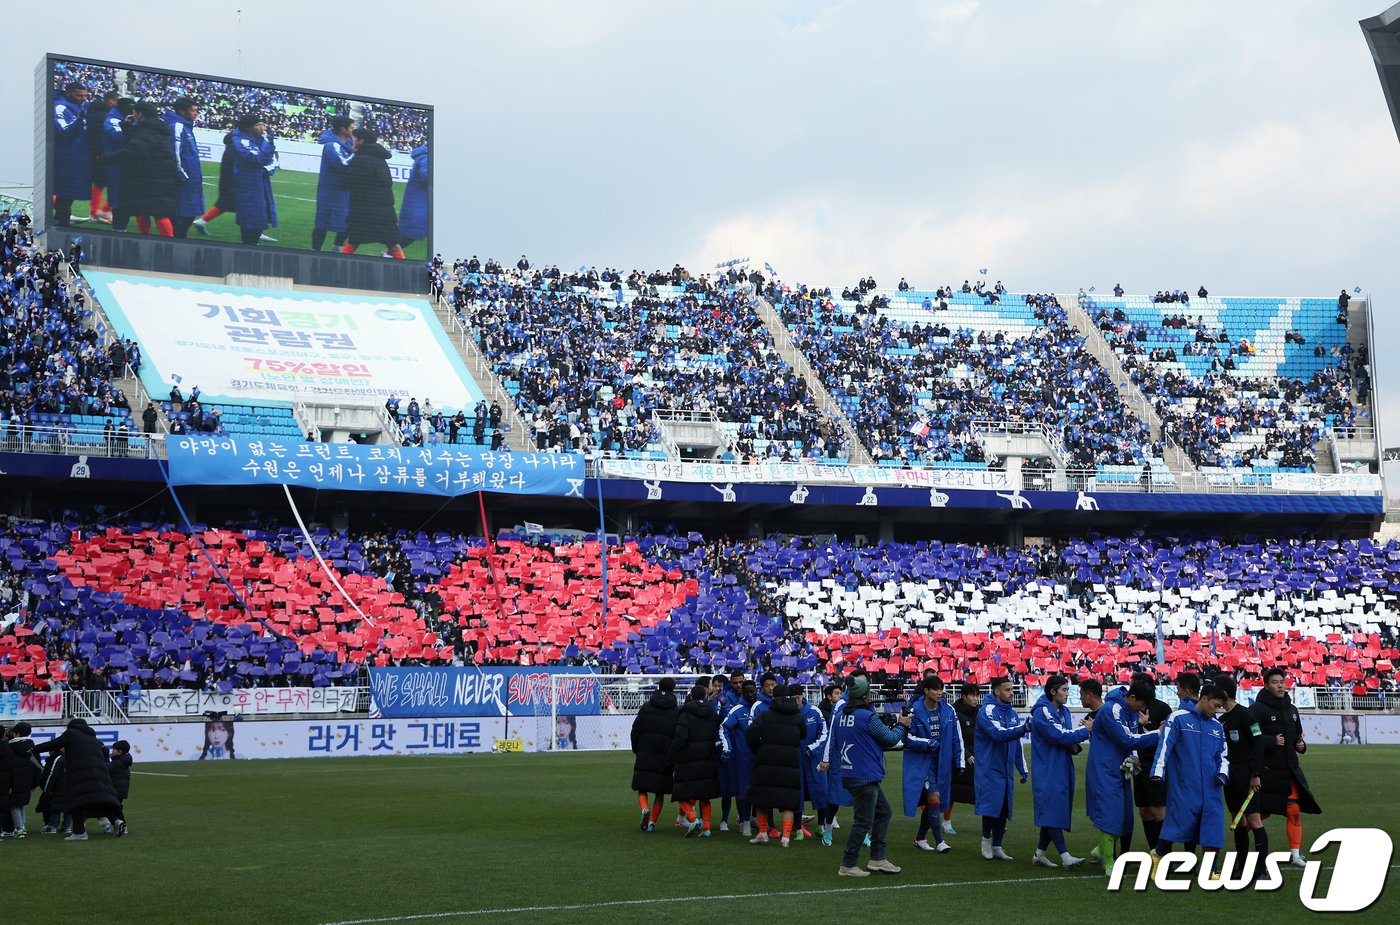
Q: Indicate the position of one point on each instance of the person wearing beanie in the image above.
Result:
(653, 731)
(695, 774)
(1055, 740)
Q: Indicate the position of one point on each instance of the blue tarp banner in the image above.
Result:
(432, 691)
(428, 470)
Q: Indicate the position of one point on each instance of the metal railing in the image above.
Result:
(75, 441)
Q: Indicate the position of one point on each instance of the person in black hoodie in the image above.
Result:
(24, 774)
(90, 791)
(776, 779)
(373, 218)
(964, 780)
(1282, 786)
(652, 733)
(150, 172)
(692, 755)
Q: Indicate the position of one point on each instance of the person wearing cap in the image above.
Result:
(1283, 787)
(89, 780)
(254, 163)
(860, 743)
(1055, 740)
(149, 172)
(997, 747)
(1244, 749)
(1192, 760)
(965, 776)
(932, 749)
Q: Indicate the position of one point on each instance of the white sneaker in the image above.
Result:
(724, 827)
(263, 237)
(987, 848)
(1001, 855)
(835, 823)
(1040, 860)
(882, 866)
(1297, 860)
(1069, 860)
(786, 841)
(943, 847)
(82, 837)
(745, 830)
(852, 872)
(948, 827)
(760, 839)
(201, 226)
(922, 844)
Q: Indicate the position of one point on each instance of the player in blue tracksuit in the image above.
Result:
(996, 751)
(189, 190)
(254, 162)
(1191, 757)
(737, 756)
(72, 158)
(933, 747)
(113, 139)
(813, 748)
(413, 214)
(1055, 740)
(332, 196)
(1108, 791)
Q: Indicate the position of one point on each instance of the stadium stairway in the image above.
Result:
(128, 383)
(1358, 324)
(517, 434)
(782, 339)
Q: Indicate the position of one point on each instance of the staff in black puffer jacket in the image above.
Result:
(692, 754)
(964, 778)
(776, 780)
(90, 791)
(53, 802)
(24, 775)
(652, 733)
(1282, 786)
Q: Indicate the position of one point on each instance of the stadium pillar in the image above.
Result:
(1015, 534)
(886, 528)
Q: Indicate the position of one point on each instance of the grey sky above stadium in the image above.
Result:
(1243, 146)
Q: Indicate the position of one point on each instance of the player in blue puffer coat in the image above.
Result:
(254, 163)
(932, 749)
(737, 760)
(332, 198)
(413, 214)
(1054, 742)
(997, 752)
(1108, 774)
(1191, 758)
(189, 191)
(814, 789)
(72, 158)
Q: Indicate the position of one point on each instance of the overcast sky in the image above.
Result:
(1243, 146)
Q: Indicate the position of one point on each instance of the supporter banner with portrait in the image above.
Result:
(257, 701)
(441, 470)
(247, 346)
(34, 705)
(471, 691)
(256, 164)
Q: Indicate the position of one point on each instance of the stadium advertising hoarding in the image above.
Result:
(265, 345)
(135, 149)
(472, 691)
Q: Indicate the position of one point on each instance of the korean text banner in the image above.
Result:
(440, 470)
(468, 691)
(258, 701)
(250, 346)
(34, 705)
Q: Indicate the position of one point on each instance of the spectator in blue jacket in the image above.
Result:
(932, 749)
(72, 157)
(189, 192)
(254, 163)
(332, 197)
(1191, 758)
(997, 752)
(413, 214)
(1054, 743)
(1108, 774)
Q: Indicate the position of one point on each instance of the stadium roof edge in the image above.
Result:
(1383, 37)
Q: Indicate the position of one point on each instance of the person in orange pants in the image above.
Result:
(1283, 788)
(652, 733)
(694, 760)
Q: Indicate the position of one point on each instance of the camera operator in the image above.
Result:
(862, 736)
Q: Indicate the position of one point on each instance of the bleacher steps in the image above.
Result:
(131, 386)
(857, 454)
(518, 436)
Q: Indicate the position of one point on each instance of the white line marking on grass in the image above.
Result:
(154, 774)
(428, 916)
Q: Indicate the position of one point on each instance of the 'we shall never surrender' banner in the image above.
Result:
(466, 691)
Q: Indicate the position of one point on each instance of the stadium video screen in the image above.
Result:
(139, 151)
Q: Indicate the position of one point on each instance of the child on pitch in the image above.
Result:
(119, 767)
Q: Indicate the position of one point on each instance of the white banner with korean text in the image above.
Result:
(806, 474)
(258, 701)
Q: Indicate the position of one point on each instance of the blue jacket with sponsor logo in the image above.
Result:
(814, 786)
(332, 198)
(737, 758)
(933, 747)
(189, 192)
(997, 753)
(1054, 740)
(254, 162)
(413, 214)
(1108, 796)
(72, 156)
(1191, 757)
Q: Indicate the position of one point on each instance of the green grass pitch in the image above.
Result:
(295, 193)
(463, 839)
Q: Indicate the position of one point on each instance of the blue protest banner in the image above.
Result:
(432, 691)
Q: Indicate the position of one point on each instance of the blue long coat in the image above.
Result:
(1054, 738)
(1191, 756)
(814, 782)
(1108, 796)
(113, 129)
(997, 752)
(252, 181)
(932, 748)
(737, 760)
(72, 156)
(836, 792)
(189, 191)
(413, 214)
(332, 198)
